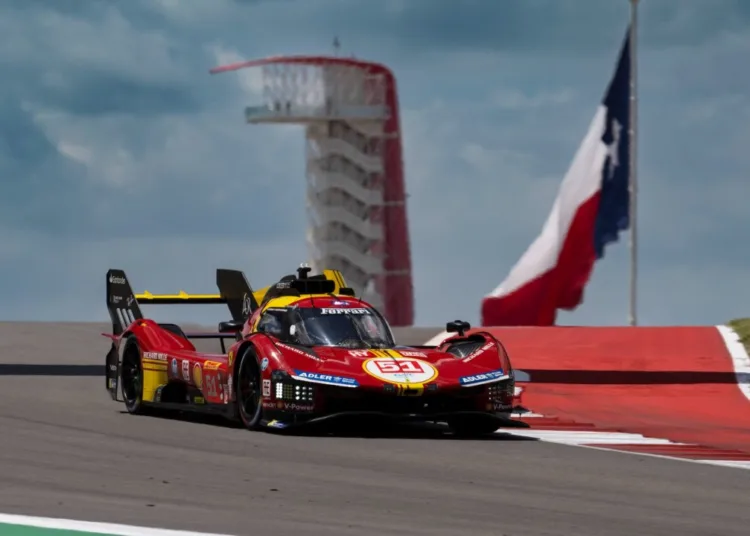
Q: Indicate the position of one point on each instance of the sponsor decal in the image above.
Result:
(359, 353)
(211, 365)
(157, 395)
(355, 311)
(230, 382)
(482, 378)
(186, 370)
(266, 387)
(117, 280)
(212, 383)
(115, 299)
(293, 406)
(264, 363)
(340, 303)
(400, 370)
(246, 304)
(411, 353)
(479, 351)
(198, 376)
(297, 351)
(199, 400)
(174, 367)
(131, 299)
(230, 357)
(325, 378)
(499, 405)
(156, 356)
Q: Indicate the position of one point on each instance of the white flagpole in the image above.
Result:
(633, 145)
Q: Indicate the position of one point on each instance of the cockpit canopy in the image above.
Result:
(348, 326)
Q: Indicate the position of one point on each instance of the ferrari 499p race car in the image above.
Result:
(304, 350)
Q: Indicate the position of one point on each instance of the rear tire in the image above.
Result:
(131, 376)
(248, 390)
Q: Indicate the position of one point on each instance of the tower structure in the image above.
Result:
(356, 199)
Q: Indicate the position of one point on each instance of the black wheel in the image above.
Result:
(248, 391)
(131, 376)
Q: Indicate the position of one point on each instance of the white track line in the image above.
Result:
(591, 437)
(740, 359)
(99, 528)
(743, 464)
(602, 440)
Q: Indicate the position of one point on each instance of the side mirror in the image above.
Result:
(231, 326)
(457, 326)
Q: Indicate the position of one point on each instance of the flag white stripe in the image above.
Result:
(582, 181)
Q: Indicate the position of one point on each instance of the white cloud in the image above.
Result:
(490, 124)
(250, 80)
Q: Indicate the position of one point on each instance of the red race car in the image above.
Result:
(304, 351)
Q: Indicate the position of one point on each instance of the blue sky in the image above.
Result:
(117, 149)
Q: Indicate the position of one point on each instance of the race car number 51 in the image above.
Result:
(390, 366)
(400, 370)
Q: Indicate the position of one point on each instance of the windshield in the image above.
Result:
(350, 327)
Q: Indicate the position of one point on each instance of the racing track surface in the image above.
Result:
(67, 450)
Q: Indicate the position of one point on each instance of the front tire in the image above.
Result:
(248, 390)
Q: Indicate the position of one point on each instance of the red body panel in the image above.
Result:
(205, 371)
(367, 370)
(342, 362)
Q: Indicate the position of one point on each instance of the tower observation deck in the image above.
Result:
(356, 200)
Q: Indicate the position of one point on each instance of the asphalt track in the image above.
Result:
(67, 450)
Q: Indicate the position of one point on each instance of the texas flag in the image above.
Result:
(591, 208)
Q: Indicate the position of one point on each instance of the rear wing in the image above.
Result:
(234, 291)
(123, 304)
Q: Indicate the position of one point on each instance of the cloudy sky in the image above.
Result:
(117, 149)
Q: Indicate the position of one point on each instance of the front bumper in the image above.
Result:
(295, 403)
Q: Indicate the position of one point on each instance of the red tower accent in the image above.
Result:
(356, 189)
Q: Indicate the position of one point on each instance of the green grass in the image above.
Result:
(742, 327)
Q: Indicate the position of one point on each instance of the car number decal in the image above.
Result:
(400, 370)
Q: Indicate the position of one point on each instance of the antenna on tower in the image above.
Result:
(336, 45)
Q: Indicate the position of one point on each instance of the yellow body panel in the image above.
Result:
(181, 295)
(409, 389)
(334, 275)
(153, 376)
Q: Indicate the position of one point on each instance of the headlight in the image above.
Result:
(303, 393)
(293, 392)
(501, 391)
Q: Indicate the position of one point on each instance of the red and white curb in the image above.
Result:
(554, 430)
(740, 359)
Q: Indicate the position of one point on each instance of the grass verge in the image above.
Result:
(742, 327)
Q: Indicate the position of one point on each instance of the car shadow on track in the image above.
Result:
(364, 430)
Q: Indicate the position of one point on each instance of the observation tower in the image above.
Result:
(356, 198)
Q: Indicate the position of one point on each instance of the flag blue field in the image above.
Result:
(590, 211)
